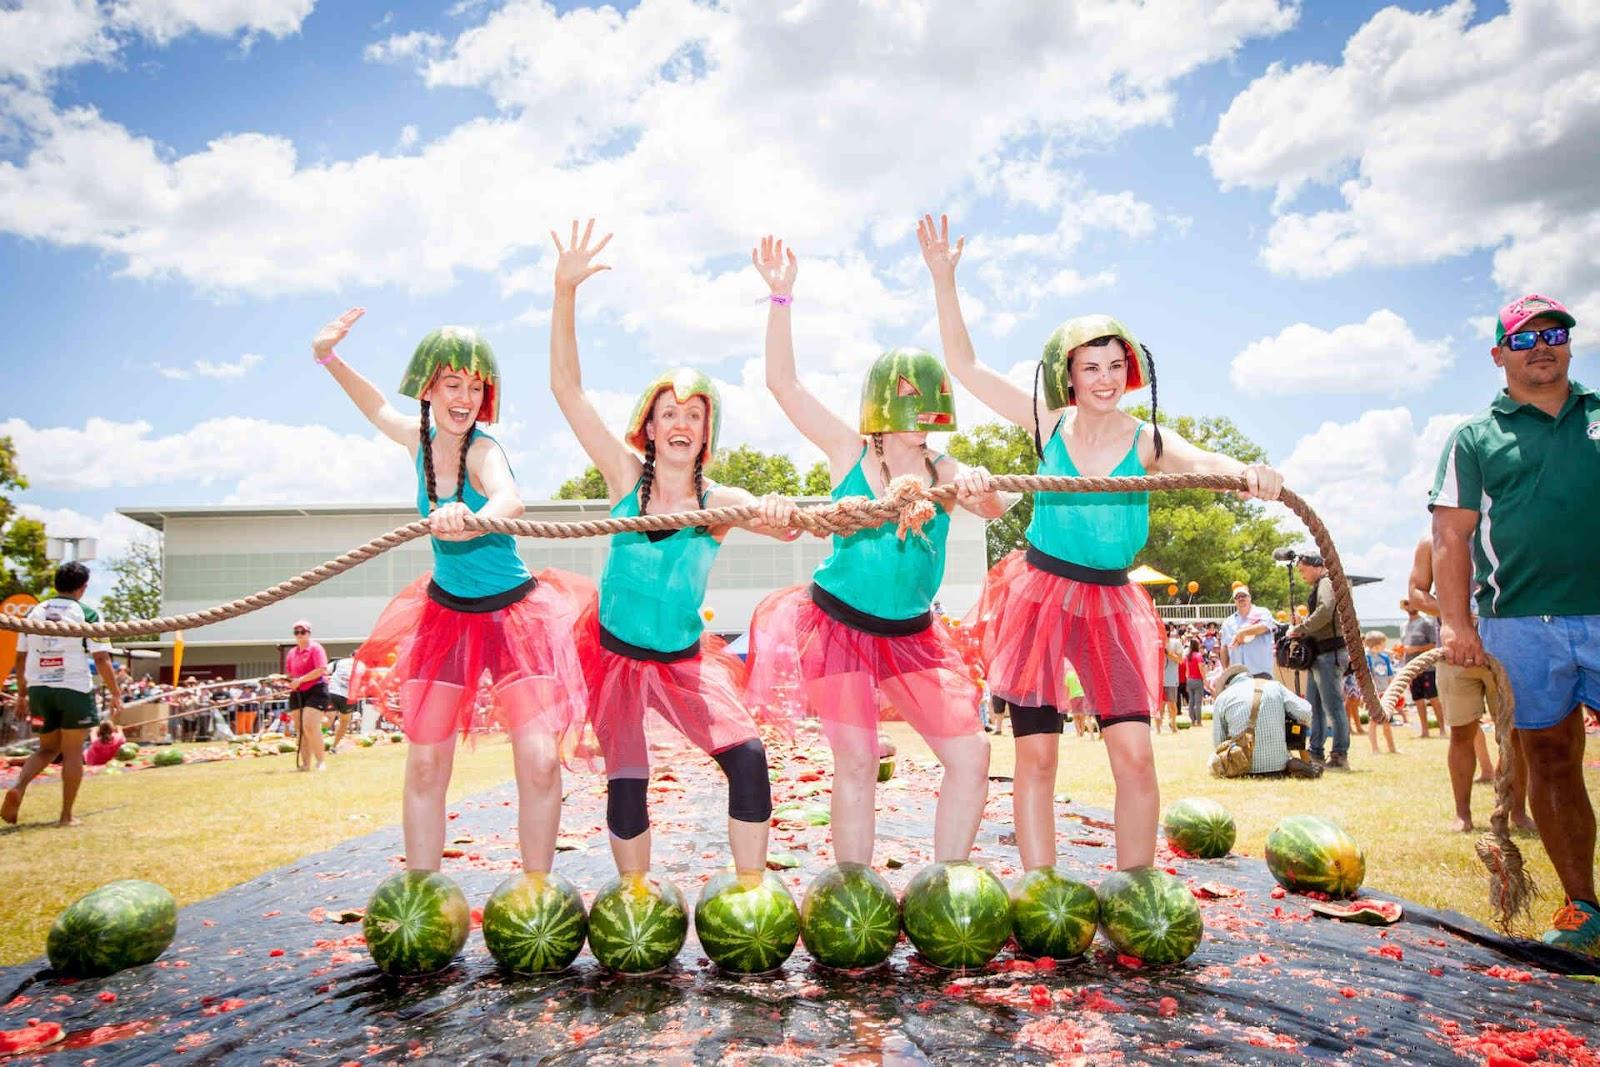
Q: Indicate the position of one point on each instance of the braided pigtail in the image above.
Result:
(933, 470)
(700, 486)
(648, 476)
(461, 482)
(1038, 441)
(1155, 425)
(427, 455)
(883, 463)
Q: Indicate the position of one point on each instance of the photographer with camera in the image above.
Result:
(1328, 661)
(1250, 723)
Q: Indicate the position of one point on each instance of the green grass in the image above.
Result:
(202, 828)
(1398, 808)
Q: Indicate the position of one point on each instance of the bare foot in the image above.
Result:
(1484, 781)
(1524, 822)
(1393, 751)
(69, 820)
(10, 806)
(1461, 824)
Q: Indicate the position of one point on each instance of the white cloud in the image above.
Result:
(1380, 355)
(205, 368)
(1439, 141)
(40, 37)
(113, 533)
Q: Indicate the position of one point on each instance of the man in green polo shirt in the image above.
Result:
(1513, 516)
(55, 684)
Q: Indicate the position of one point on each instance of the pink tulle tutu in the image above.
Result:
(701, 696)
(1031, 624)
(440, 656)
(804, 660)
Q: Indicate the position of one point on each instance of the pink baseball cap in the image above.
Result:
(1515, 314)
(301, 624)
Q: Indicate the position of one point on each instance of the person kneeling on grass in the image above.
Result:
(1245, 703)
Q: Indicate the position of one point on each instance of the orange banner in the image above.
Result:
(18, 605)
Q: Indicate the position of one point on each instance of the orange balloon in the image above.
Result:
(1236, 585)
(707, 614)
(1172, 590)
(1301, 612)
(1194, 587)
(1283, 616)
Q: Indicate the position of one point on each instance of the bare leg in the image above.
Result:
(1460, 759)
(1138, 796)
(538, 770)
(341, 726)
(1560, 804)
(49, 747)
(427, 783)
(748, 843)
(854, 803)
(1519, 790)
(632, 855)
(1033, 798)
(1480, 747)
(962, 794)
(71, 771)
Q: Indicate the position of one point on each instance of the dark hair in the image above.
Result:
(1155, 423)
(427, 458)
(71, 577)
(883, 462)
(647, 476)
(1194, 644)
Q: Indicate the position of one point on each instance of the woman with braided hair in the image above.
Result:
(643, 639)
(1067, 599)
(479, 611)
(861, 636)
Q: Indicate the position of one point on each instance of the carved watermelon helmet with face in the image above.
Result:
(1080, 331)
(684, 383)
(459, 348)
(907, 390)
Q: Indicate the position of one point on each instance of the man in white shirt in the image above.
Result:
(55, 684)
(339, 697)
(1247, 635)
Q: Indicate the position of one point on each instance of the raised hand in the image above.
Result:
(776, 264)
(573, 264)
(1264, 482)
(936, 249)
(333, 333)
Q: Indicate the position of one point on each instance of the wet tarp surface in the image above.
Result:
(267, 973)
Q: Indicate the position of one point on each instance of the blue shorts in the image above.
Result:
(1553, 662)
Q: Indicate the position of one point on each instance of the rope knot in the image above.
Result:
(914, 507)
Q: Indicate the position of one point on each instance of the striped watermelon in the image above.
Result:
(416, 922)
(127, 752)
(957, 914)
(535, 923)
(1148, 913)
(1307, 853)
(637, 924)
(849, 917)
(1053, 915)
(120, 925)
(1201, 827)
(168, 757)
(746, 925)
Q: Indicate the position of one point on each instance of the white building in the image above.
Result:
(215, 554)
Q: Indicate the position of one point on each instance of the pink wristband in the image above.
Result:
(781, 300)
(324, 361)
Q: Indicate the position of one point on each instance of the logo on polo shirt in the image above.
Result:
(1593, 431)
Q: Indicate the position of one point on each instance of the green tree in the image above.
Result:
(23, 566)
(818, 480)
(137, 592)
(587, 486)
(748, 468)
(1195, 534)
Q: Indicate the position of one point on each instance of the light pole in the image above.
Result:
(69, 549)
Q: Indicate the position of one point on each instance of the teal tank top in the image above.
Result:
(652, 589)
(874, 571)
(482, 567)
(1100, 530)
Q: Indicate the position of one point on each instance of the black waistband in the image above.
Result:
(839, 611)
(1062, 569)
(612, 643)
(479, 605)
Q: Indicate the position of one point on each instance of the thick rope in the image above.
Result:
(1511, 887)
(904, 503)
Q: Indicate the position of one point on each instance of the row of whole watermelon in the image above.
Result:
(958, 915)
(1305, 853)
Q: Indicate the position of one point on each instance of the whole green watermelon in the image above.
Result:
(1053, 915)
(637, 924)
(121, 924)
(416, 922)
(746, 925)
(957, 914)
(1201, 827)
(535, 923)
(850, 917)
(1148, 913)
(168, 757)
(129, 751)
(1310, 853)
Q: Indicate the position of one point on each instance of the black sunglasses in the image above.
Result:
(298, 632)
(1526, 340)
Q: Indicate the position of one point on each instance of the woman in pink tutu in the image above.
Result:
(479, 611)
(1067, 599)
(862, 637)
(643, 639)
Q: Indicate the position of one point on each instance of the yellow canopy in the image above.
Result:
(1146, 575)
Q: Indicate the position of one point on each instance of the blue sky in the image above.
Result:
(1306, 210)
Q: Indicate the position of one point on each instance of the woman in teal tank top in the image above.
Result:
(862, 636)
(480, 610)
(642, 642)
(1067, 599)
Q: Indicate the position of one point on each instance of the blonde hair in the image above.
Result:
(1375, 637)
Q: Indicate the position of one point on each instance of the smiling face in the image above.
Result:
(1099, 375)
(678, 389)
(678, 429)
(456, 399)
(1539, 366)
